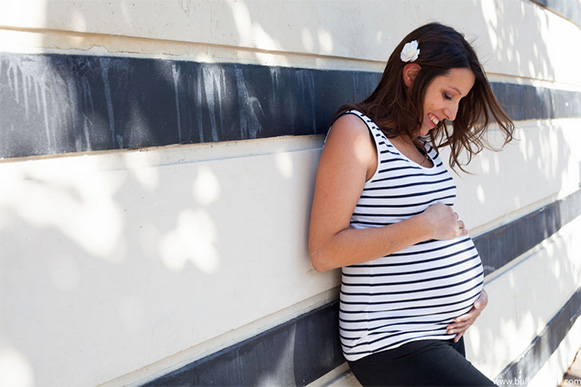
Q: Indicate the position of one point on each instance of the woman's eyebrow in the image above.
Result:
(457, 91)
(455, 88)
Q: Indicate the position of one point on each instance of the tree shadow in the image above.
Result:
(179, 217)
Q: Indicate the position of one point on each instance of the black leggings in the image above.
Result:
(419, 363)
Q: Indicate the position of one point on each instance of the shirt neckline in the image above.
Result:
(410, 160)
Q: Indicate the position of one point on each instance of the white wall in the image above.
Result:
(514, 38)
(136, 256)
(541, 165)
(122, 265)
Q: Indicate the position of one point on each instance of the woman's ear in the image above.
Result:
(410, 71)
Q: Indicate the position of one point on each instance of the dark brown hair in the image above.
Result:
(399, 111)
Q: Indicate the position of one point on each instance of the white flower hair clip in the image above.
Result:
(410, 51)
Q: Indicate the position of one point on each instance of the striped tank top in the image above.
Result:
(415, 293)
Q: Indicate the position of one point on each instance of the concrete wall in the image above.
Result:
(158, 161)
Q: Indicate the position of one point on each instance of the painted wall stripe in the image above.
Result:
(53, 104)
(500, 246)
(291, 354)
(307, 347)
(543, 346)
(569, 9)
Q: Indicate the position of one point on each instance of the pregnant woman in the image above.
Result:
(382, 211)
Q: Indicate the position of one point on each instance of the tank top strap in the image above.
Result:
(374, 130)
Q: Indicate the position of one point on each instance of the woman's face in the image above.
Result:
(443, 96)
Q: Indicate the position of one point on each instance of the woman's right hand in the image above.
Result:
(443, 222)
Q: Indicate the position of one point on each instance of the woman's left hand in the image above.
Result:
(462, 323)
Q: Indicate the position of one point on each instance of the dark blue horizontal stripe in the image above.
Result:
(405, 300)
(181, 102)
(367, 265)
(386, 318)
(435, 306)
(383, 144)
(417, 271)
(423, 204)
(416, 281)
(406, 195)
(391, 324)
(429, 182)
(391, 215)
(414, 175)
(442, 323)
(399, 168)
(418, 307)
(378, 224)
(430, 241)
(401, 292)
(393, 334)
(393, 160)
(431, 153)
(397, 216)
(425, 310)
(392, 345)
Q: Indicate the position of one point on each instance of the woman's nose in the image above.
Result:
(451, 112)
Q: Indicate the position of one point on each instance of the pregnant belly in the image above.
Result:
(429, 283)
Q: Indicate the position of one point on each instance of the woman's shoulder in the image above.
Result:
(358, 114)
(348, 128)
(349, 134)
(356, 121)
(350, 119)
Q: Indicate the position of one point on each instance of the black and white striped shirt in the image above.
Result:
(415, 293)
